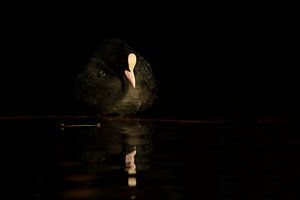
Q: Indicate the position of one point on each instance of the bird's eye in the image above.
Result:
(101, 74)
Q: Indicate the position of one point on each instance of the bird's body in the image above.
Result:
(111, 84)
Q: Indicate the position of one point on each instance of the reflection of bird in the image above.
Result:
(116, 80)
(92, 157)
(119, 141)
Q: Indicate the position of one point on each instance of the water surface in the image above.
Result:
(74, 158)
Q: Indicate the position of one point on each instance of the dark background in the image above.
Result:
(208, 60)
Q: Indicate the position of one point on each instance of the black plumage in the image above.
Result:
(103, 85)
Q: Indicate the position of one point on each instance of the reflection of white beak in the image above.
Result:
(131, 64)
(130, 164)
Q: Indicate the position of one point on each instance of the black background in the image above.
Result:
(207, 59)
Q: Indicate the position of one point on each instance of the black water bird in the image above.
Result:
(116, 79)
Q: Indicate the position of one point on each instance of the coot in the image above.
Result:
(117, 80)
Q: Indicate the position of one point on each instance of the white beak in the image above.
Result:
(131, 64)
(131, 78)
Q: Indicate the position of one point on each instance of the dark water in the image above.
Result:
(174, 159)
